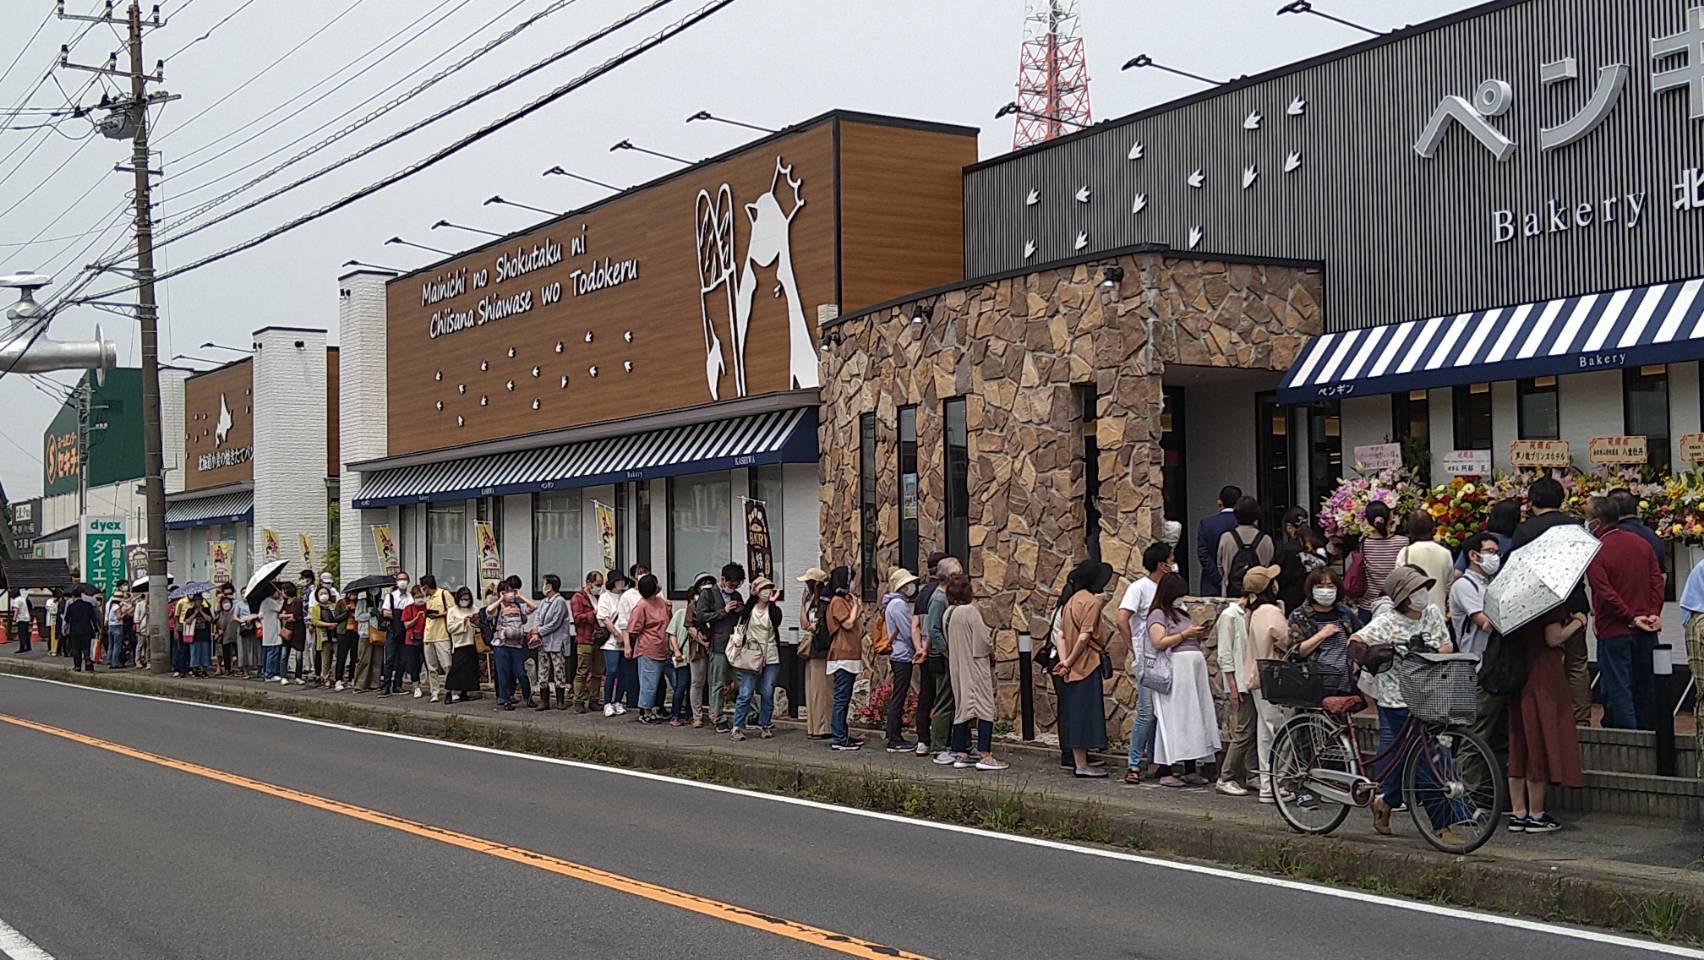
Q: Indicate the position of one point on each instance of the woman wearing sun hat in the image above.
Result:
(819, 692)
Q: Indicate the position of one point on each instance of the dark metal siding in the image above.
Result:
(1402, 237)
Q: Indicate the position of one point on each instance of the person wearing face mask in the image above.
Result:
(1186, 727)
(555, 629)
(1159, 559)
(325, 619)
(436, 603)
(391, 610)
(1627, 600)
(226, 627)
(509, 645)
(589, 635)
(1238, 673)
(1473, 632)
(463, 676)
(1318, 629)
(370, 645)
(1081, 639)
(762, 620)
(614, 647)
(898, 618)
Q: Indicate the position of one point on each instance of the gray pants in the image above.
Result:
(720, 675)
(700, 665)
(941, 723)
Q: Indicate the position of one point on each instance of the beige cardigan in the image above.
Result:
(970, 661)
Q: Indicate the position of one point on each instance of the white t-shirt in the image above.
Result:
(1137, 599)
(270, 629)
(609, 609)
(628, 603)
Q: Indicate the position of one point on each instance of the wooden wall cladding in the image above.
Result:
(629, 334)
(230, 388)
(901, 210)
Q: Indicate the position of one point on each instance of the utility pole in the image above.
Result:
(153, 453)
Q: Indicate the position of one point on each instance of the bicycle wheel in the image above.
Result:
(1453, 789)
(1307, 743)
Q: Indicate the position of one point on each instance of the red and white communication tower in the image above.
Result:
(1053, 76)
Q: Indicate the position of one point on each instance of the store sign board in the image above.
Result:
(1467, 463)
(1692, 448)
(218, 414)
(1379, 456)
(104, 560)
(1618, 450)
(1539, 453)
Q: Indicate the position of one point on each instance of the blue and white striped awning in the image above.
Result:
(785, 436)
(1661, 323)
(217, 510)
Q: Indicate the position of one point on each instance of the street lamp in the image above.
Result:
(1143, 60)
(370, 266)
(523, 206)
(559, 172)
(457, 226)
(195, 359)
(707, 115)
(398, 241)
(629, 145)
(1303, 6)
(25, 347)
(220, 346)
(1012, 109)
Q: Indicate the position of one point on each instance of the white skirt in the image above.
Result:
(1187, 728)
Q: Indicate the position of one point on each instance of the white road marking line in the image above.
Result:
(1358, 896)
(19, 947)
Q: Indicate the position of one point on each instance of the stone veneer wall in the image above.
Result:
(1019, 350)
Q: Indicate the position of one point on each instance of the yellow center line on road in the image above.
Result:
(741, 916)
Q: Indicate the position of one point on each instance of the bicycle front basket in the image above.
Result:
(1439, 687)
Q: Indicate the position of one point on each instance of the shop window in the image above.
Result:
(1325, 457)
(908, 488)
(1470, 407)
(446, 544)
(701, 532)
(1411, 418)
(558, 543)
(1645, 409)
(766, 486)
(957, 474)
(867, 504)
(1086, 402)
(1538, 409)
(1274, 483)
(641, 491)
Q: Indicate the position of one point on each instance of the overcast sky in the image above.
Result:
(768, 62)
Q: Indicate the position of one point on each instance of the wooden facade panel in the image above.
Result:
(218, 414)
(901, 210)
(640, 315)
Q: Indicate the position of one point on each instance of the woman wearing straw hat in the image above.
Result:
(761, 633)
(813, 647)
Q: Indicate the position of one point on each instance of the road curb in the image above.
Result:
(1665, 903)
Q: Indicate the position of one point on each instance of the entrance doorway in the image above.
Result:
(1175, 471)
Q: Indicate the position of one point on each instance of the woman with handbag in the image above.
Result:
(754, 652)
(1186, 725)
(462, 621)
(1081, 641)
(1374, 560)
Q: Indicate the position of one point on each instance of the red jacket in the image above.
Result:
(584, 610)
(1626, 582)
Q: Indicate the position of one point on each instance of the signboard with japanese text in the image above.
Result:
(113, 435)
(1467, 463)
(1539, 453)
(104, 560)
(1379, 456)
(1692, 448)
(1618, 450)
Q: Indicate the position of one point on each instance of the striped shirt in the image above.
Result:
(1381, 560)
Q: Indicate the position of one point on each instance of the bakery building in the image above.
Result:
(1242, 286)
(626, 383)
(260, 463)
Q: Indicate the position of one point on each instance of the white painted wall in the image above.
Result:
(1366, 421)
(290, 495)
(1590, 406)
(363, 408)
(172, 434)
(799, 538)
(517, 540)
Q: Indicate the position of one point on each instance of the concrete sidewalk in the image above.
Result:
(1634, 873)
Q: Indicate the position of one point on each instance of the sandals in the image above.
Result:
(1381, 818)
(1170, 781)
(1195, 780)
(1133, 777)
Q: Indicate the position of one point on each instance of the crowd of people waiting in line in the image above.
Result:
(617, 644)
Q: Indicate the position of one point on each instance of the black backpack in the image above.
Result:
(1245, 559)
(1504, 668)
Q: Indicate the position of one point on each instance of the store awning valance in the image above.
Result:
(211, 511)
(785, 436)
(1661, 323)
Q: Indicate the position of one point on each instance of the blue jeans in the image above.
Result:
(764, 684)
(1142, 731)
(115, 645)
(650, 677)
(612, 687)
(984, 736)
(843, 682)
(511, 663)
(200, 655)
(1391, 720)
(1624, 667)
(272, 661)
(682, 701)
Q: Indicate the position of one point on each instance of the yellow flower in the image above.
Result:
(1467, 488)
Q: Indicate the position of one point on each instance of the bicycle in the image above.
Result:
(1451, 781)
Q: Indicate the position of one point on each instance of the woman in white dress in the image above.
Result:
(1186, 726)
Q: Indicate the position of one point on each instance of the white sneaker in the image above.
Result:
(283, 681)
(922, 750)
(609, 709)
(1231, 788)
(434, 697)
(620, 709)
(300, 682)
(417, 693)
(945, 757)
(339, 686)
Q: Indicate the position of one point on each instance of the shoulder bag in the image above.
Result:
(744, 656)
(1355, 578)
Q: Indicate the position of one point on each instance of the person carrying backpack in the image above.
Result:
(1243, 547)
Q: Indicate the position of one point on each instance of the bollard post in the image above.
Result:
(1026, 683)
(1662, 674)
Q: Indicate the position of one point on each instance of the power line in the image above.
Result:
(667, 33)
(374, 115)
(39, 140)
(22, 50)
(210, 30)
(397, 101)
(263, 70)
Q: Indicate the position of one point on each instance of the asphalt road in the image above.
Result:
(254, 836)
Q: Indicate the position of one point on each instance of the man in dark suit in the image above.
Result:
(1207, 541)
(82, 623)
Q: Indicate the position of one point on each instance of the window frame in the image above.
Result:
(1529, 387)
(675, 590)
(957, 483)
(867, 493)
(1462, 417)
(909, 526)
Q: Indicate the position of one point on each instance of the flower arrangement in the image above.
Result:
(1459, 507)
(1344, 513)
